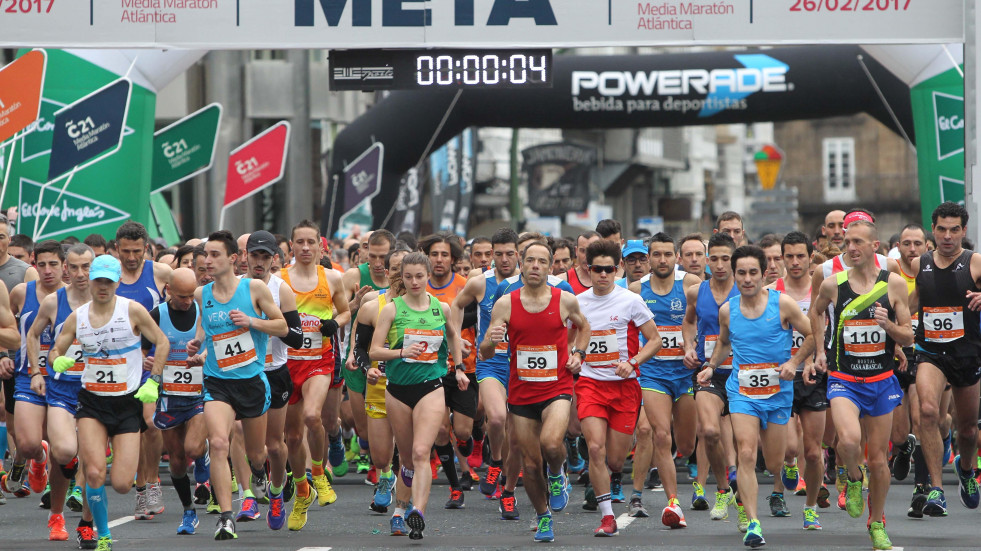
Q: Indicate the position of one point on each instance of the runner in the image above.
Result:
(323, 307)
(611, 230)
(692, 255)
(237, 317)
(416, 328)
(701, 333)
(871, 317)
(578, 276)
(834, 228)
(563, 252)
(774, 258)
(756, 327)
(110, 403)
(636, 263)
(666, 382)
(607, 392)
(731, 224)
(481, 253)
(948, 346)
(533, 322)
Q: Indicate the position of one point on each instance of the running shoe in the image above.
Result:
(213, 508)
(416, 523)
(37, 471)
(85, 537)
(616, 491)
(325, 492)
(577, 463)
(824, 497)
(260, 488)
(801, 488)
(558, 492)
(276, 516)
(947, 447)
(811, 520)
(476, 458)
(154, 499)
(490, 482)
(778, 505)
(141, 512)
(732, 475)
(607, 527)
(936, 503)
(456, 500)
(290, 489)
(672, 516)
(298, 516)
(406, 476)
(225, 530)
(918, 502)
(508, 506)
(383, 491)
(371, 476)
(3, 499)
(352, 450)
(398, 526)
(189, 522)
(754, 535)
(720, 511)
(544, 530)
(13, 482)
(880, 540)
(636, 508)
(653, 479)
(901, 460)
(698, 501)
(250, 511)
(467, 480)
(692, 470)
(589, 502)
(335, 452)
(364, 464)
(339, 470)
(202, 493)
(105, 544)
(74, 500)
(790, 476)
(841, 500)
(841, 479)
(854, 503)
(56, 528)
(46, 498)
(742, 522)
(968, 485)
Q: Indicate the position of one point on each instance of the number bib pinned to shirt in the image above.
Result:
(538, 364)
(313, 340)
(863, 338)
(603, 350)
(759, 381)
(671, 341)
(105, 376)
(181, 380)
(234, 349)
(75, 352)
(432, 338)
(42, 359)
(710, 342)
(943, 324)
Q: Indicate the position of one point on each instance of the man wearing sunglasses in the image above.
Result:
(607, 393)
(636, 264)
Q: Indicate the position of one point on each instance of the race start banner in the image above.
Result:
(21, 83)
(186, 148)
(938, 119)
(256, 165)
(89, 128)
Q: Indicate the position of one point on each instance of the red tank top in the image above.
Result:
(539, 351)
(575, 283)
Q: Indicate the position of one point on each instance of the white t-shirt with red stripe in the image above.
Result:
(615, 321)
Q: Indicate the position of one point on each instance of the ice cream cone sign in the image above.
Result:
(768, 162)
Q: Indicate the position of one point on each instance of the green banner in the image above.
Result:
(100, 196)
(185, 148)
(938, 118)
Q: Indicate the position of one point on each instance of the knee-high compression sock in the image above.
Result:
(3, 440)
(478, 430)
(100, 509)
(182, 486)
(921, 475)
(445, 454)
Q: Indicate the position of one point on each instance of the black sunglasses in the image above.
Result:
(604, 269)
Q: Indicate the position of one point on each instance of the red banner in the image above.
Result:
(21, 83)
(257, 164)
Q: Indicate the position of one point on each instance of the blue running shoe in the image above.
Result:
(692, 471)
(616, 491)
(947, 447)
(277, 512)
(544, 531)
(416, 523)
(790, 476)
(558, 493)
(936, 504)
(576, 464)
(968, 485)
(188, 523)
(383, 491)
(250, 510)
(754, 535)
(335, 452)
(732, 475)
(398, 526)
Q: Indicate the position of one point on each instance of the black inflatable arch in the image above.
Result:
(816, 82)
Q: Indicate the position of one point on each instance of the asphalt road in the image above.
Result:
(348, 524)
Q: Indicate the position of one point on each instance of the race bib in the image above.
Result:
(759, 381)
(432, 338)
(313, 340)
(603, 350)
(537, 364)
(234, 349)
(105, 376)
(710, 341)
(915, 320)
(269, 360)
(671, 341)
(502, 347)
(42, 359)
(863, 338)
(796, 340)
(943, 324)
(181, 380)
(75, 352)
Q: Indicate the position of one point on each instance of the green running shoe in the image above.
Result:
(880, 540)
(854, 502)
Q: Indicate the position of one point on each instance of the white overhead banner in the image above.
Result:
(244, 24)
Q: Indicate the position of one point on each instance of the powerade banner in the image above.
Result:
(114, 189)
(248, 24)
(938, 115)
(557, 176)
(444, 169)
(468, 160)
(88, 128)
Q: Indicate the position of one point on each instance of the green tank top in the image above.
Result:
(412, 326)
(366, 278)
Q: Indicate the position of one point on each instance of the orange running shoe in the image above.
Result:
(37, 475)
(56, 528)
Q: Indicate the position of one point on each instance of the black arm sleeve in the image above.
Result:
(470, 316)
(293, 339)
(362, 342)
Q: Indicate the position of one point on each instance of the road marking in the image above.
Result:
(624, 521)
(121, 521)
(327, 549)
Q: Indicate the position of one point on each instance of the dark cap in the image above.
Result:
(262, 241)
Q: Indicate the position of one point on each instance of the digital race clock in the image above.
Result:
(439, 69)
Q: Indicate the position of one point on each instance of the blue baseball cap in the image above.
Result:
(105, 266)
(634, 246)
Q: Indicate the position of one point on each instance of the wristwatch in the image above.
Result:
(581, 352)
(633, 363)
(460, 367)
(709, 365)
(156, 378)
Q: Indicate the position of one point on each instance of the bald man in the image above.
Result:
(834, 228)
(242, 266)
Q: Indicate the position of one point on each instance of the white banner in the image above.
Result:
(243, 24)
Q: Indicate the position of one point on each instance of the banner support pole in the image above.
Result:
(40, 200)
(10, 162)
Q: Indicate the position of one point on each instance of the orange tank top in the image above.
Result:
(313, 306)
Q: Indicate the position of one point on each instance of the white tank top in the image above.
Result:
(276, 351)
(113, 358)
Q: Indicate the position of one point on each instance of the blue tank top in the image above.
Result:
(707, 311)
(144, 290)
(178, 355)
(27, 315)
(669, 313)
(486, 305)
(65, 310)
(233, 352)
(759, 341)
